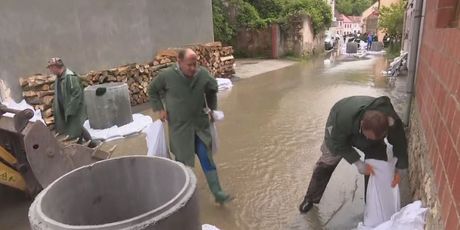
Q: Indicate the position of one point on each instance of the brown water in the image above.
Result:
(270, 142)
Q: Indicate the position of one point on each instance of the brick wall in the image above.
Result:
(438, 104)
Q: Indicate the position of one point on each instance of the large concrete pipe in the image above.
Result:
(108, 105)
(136, 192)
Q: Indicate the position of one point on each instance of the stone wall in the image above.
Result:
(421, 174)
(254, 42)
(297, 38)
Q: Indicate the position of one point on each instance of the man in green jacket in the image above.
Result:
(68, 107)
(182, 93)
(362, 122)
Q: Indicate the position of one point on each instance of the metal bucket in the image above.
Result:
(136, 192)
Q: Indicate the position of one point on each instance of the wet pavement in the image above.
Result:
(269, 143)
(246, 68)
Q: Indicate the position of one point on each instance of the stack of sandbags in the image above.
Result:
(224, 84)
(38, 91)
(137, 76)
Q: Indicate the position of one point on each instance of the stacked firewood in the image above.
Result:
(217, 59)
(38, 91)
(166, 56)
(227, 62)
(137, 76)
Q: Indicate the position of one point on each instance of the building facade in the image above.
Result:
(369, 19)
(435, 114)
(348, 24)
(93, 34)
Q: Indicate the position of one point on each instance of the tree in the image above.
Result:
(353, 7)
(223, 31)
(268, 9)
(345, 7)
(248, 16)
(392, 18)
(359, 6)
(318, 10)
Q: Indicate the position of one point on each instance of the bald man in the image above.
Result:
(181, 94)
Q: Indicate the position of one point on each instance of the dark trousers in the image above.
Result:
(322, 173)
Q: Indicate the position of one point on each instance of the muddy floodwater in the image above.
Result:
(269, 143)
(270, 140)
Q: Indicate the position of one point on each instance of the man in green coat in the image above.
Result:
(182, 94)
(68, 106)
(362, 122)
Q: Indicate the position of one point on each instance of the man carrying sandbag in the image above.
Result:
(362, 122)
(187, 90)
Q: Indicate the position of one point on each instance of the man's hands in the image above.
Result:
(396, 179)
(367, 170)
(363, 168)
(163, 115)
(211, 116)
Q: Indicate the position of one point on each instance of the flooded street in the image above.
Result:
(269, 143)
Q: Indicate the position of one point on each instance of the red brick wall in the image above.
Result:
(438, 98)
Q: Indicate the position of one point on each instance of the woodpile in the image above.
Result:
(217, 59)
(137, 76)
(38, 91)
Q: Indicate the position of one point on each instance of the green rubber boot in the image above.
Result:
(213, 181)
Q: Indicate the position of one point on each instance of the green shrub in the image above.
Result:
(393, 51)
(318, 10)
(223, 31)
(269, 9)
(248, 16)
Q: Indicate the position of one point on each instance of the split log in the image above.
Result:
(49, 120)
(48, 113)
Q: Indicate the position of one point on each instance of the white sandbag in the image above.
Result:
(22, 106)
(218, 116)
(214, 138)
(156, 140)
(136, 126)
(209, 227)
(411, 217)
(382, 200)
(224, 84)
